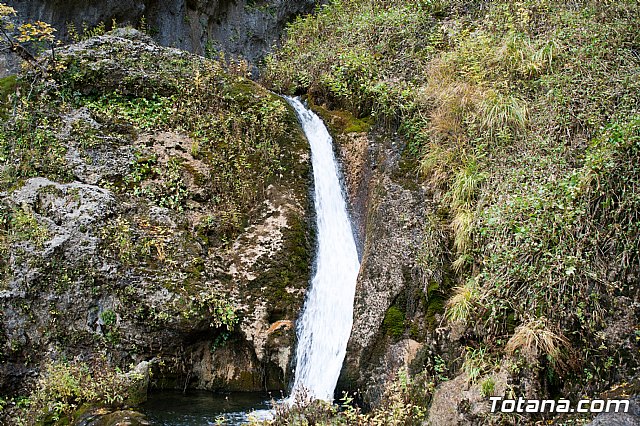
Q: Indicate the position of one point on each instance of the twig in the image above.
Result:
(20, 50)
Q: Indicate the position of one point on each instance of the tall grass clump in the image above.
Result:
(502, 113)
(535, 338)
(463, 302)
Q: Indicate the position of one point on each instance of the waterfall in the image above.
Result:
(325, 324)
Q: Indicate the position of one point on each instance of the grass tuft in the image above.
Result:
(461, 306)
(502, 113)
(462, 227)
(537, 337)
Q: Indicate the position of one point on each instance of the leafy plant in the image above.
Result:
(476, 363)
(65, 386)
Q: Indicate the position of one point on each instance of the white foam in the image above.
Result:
(327, 318)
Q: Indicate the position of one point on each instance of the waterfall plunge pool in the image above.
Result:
(202, 408)
(325, 324)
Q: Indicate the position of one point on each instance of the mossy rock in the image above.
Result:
(341, 122)
(394, 322)
(156, 250)
(434, 307)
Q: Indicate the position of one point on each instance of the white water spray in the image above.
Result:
(325, 325)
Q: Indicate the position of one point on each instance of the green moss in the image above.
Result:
(84, 411)
(394, 322)
(358, 125)
(342, 121)
(290, 268)
(7, 87)
(435, 307)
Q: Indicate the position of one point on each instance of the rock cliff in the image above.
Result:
(154, 207)
(247, 28)
(397, 297)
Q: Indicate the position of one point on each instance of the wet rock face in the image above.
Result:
(389, 219)
(245, 27)
(389, 279)
(389, 257)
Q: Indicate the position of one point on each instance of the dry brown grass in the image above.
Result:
(452, 99)
(462, 227)
(450, 102)
(461, 306)
(537, 338)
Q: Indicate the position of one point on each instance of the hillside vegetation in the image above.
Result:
(523, 120)
(143, 187)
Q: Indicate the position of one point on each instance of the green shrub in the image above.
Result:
(64, 387)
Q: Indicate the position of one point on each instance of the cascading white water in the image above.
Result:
(325, 324)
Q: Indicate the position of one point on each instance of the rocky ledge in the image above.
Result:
(154, 208)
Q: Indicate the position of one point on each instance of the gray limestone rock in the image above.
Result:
(246, 28)
(90, 266)
(630, 418)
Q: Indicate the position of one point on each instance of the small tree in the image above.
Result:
(38, 32)
(6, 26)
